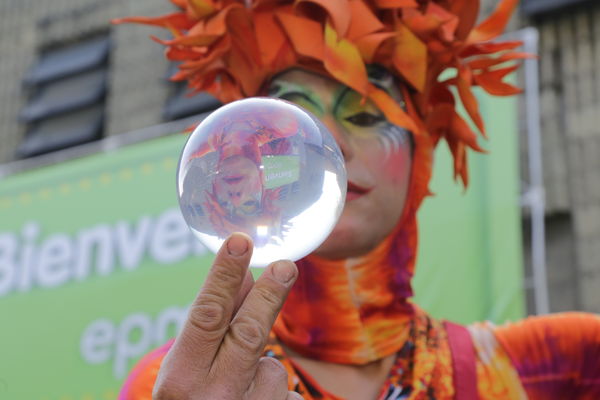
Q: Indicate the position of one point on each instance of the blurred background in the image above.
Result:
(97, 267)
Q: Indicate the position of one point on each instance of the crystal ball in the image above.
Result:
(265, 167)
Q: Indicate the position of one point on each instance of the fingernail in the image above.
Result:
(283, 271)
(237, 245)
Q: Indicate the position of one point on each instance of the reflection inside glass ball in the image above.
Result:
(267, 168)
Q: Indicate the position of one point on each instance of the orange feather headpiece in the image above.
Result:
(231, 48)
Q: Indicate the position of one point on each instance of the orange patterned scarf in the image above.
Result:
(422, 368)
(353, 311)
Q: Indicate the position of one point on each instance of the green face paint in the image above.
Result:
(358, 116)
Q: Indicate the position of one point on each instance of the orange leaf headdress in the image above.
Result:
(231, 48)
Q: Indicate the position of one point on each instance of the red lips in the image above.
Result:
(355, 191)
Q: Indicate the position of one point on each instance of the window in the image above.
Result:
(67, 89)
(535, 7)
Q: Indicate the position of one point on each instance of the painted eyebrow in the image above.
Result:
(343, 93)
(284, 94)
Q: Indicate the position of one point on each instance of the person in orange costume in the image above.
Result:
(348, 329)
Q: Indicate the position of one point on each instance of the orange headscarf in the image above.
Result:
(340, 311)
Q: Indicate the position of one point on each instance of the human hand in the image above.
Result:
(218, 354)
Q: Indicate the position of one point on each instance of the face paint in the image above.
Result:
(349, 304)
(362, 118)
(377, 155)
(238, 186)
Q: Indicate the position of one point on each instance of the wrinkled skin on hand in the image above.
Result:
(218, 354)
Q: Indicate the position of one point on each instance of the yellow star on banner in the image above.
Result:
(105, 179)
(65, 188)
(147, 168)
(85, 184)
(126, 174)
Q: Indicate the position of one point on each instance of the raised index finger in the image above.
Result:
(210, 314)
(248, 332)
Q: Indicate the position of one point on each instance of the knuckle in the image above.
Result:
(269, 296)
(208, 315)
(170, 392)
(227, 273)
(248, 335)
(274, 368)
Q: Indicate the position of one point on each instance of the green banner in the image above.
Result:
(97, 266)
(280, 170)
(470, 265)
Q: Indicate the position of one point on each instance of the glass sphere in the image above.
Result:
(267, 168)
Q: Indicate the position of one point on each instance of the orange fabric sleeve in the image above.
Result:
(140, 382)
(556, 356)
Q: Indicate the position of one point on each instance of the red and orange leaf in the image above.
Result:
(449, 22)
(488, 48)
(491, 82)
(463, 172)
(197, 40)
(488, 62)
(198, 29)
(448, 30)
(463, 84)
(495, 87)
(286, 58)
(441, 53)
(338, 12)
(459, 155)
(174, 53)
(420, 24)
(216, 51)
(494, 25)
(245, 71)
(369, 44)
(438, 120)
(177, 21)
(178, 76)
(363, 21)
(228, 89)
(395, 3)
(241, 30)
(500, 73)
(441, 94)
(410, 56)
(305, 35)
(269, 36)
(461, 131)
(200, 8)
(343, 61)
(391, 109)
(468, 10)
(218, 24)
